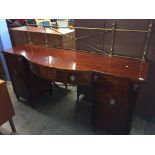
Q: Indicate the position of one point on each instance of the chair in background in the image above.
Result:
(6, 107)
(43, 22)
(62, 23)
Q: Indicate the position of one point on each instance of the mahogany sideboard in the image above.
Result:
(38, 35)
(114, 80)
(26, 85)
(6, 108)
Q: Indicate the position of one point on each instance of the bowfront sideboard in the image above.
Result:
(113, 80)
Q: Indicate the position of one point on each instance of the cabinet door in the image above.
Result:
(112, 104)
(17, 72)
(26, 84)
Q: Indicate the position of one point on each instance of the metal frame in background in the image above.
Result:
(113, 31)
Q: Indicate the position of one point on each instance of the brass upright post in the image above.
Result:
(113, 38)
(29, 38)
(45, 33)
(147, 41)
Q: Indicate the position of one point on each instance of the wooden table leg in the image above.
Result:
(12, 125)
(65, 86)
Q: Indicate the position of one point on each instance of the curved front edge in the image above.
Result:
(61, 75)
(44, 72)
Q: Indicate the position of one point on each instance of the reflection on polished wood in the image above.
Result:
(25, 84)
(114, 80)
(74, 61)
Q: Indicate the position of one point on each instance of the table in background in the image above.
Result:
(57, 37)
(6, 107)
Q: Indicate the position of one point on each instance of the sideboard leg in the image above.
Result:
(12, 125)
(51, 90)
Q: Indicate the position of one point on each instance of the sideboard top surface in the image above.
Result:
(131, 69)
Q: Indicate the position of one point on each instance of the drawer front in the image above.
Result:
(63, 76)
(83, 78)
(107, 89)
(80, 78)
(43, 71)
(15, 66)
(104, 79)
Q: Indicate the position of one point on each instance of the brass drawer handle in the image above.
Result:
(135, 87)
(95, 77)
(20, 59)
(31, 67)
(15, 72)
(72, 78)
(112, 102)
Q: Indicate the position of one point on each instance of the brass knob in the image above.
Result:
(95, 77)
(135, 87)
(15, 72)
(112, 102)
(72, 78)
(20, 59)
(31, 67)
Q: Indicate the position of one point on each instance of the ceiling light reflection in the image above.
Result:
(74, 66)
(50, 59)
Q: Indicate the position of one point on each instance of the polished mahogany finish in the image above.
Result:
(113, 81)
(38, 35)
(75, 61)
(6, 108)
(25, 84)
(114, 100)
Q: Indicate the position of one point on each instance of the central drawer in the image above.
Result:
(43, 71)
(72, 77)
(105, 79)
